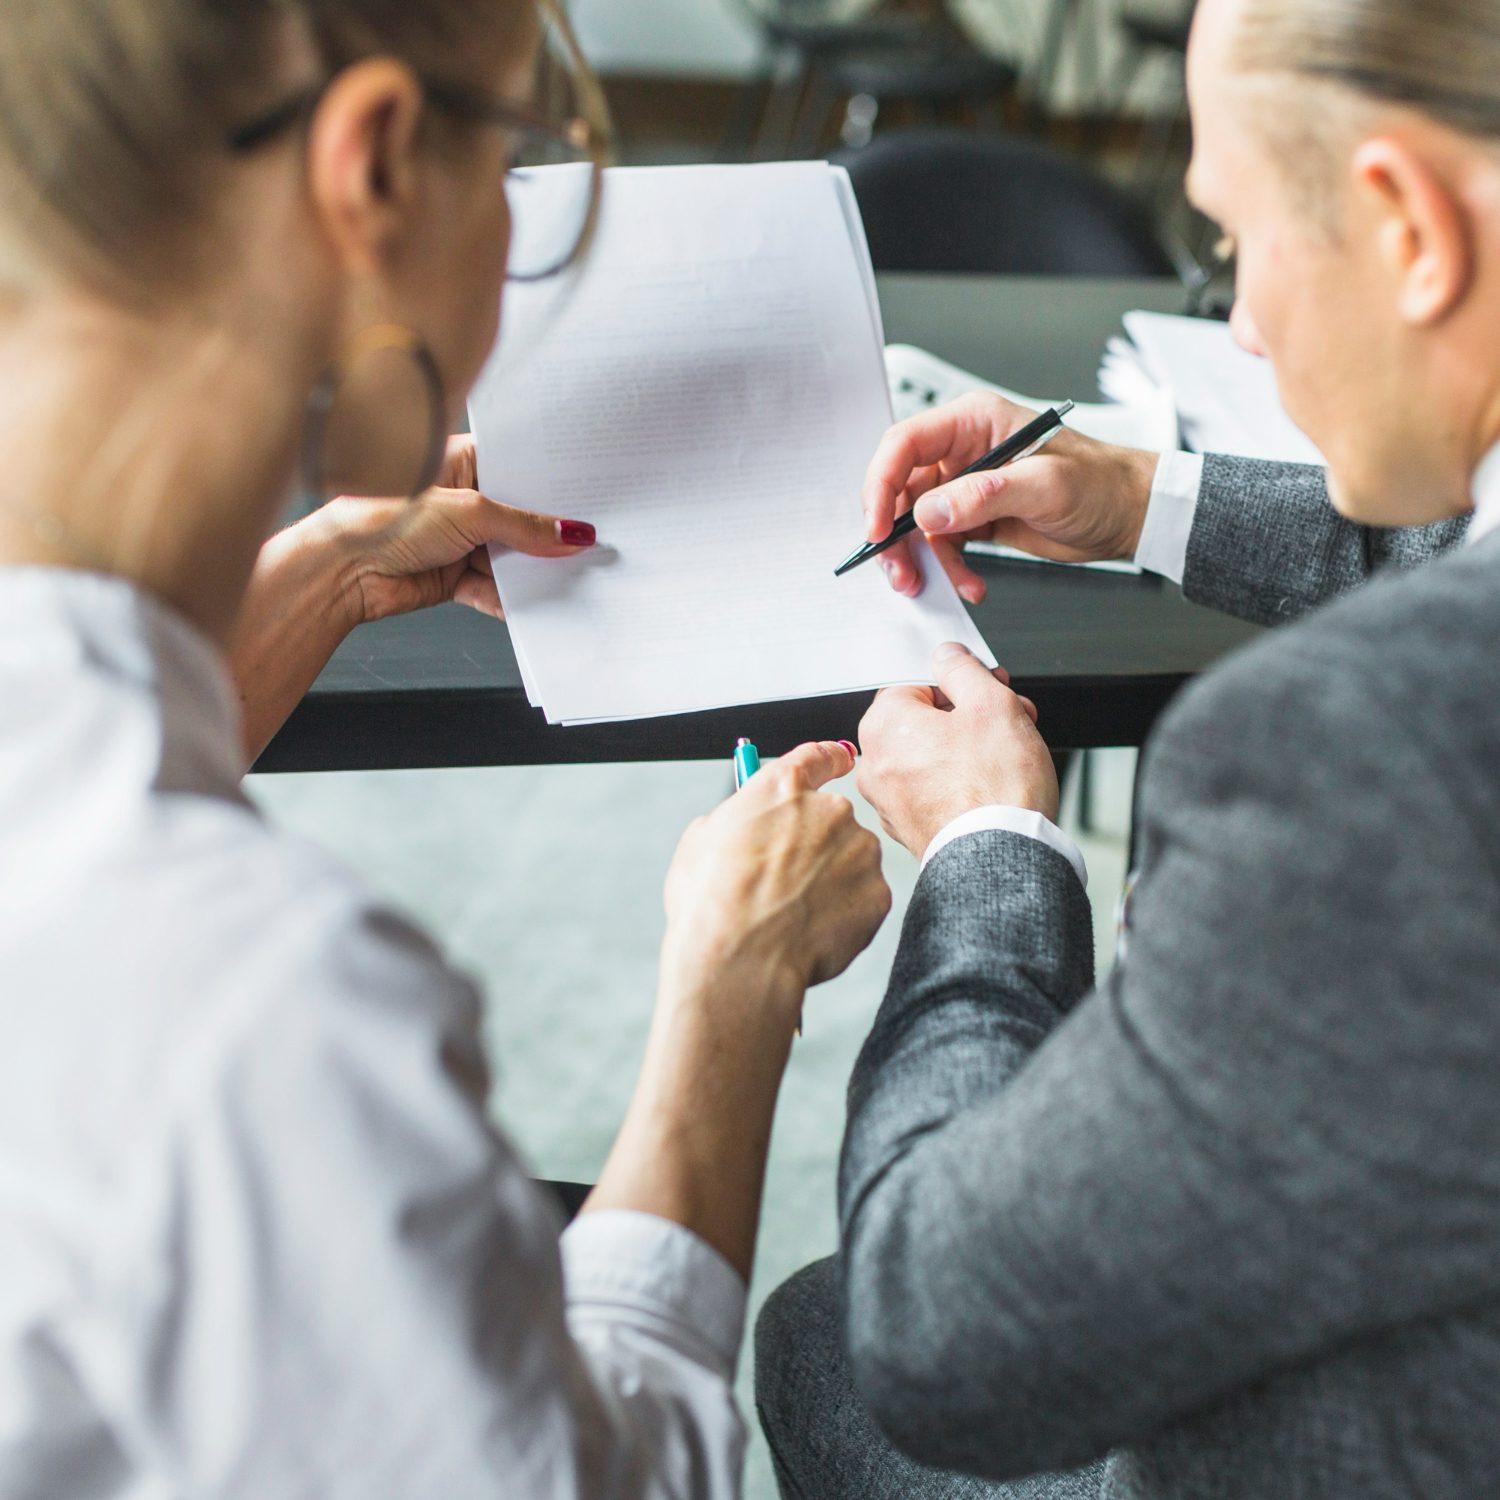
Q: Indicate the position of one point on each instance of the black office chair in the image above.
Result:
(946, 201)
(799, 40)
(939, 80)
(818, 52)
(942, 200)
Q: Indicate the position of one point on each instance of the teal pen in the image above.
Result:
(746, 761)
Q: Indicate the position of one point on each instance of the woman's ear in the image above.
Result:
(1424, 233)
(363, 169)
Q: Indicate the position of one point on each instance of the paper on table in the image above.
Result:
(708, 392)
(1226, 399)
(919, 381)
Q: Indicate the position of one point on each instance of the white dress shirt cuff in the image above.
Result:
(1011, 820)
(1169, 515)
(624, 1266)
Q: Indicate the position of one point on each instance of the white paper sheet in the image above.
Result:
(708, 392)
(1226, 399)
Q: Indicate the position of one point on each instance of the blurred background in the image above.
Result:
(1041, 137)
(1097, 81)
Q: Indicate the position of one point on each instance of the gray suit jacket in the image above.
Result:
(1233, 1218)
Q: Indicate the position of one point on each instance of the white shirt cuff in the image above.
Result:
(1010, 820)
(636, 1268)
(1169, 515)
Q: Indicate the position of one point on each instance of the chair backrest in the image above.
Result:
(948, 200)
(823, 12)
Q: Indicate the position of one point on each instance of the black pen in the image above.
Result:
(1020, 444)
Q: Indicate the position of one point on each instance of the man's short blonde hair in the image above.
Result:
(1317, 70)
(1440, 57)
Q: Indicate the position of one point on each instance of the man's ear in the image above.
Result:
(362, 164)
(1425, 233)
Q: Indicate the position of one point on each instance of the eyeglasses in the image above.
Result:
(554, 173)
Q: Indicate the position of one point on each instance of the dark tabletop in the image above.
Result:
(1101, 653)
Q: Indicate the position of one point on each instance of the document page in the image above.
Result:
(1226, 399)
(707, 392)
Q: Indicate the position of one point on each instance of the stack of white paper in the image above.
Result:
(1226, 399)
(920, 381)
(707, 391)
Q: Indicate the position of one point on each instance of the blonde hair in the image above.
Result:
(1440, 57)
(114, 114)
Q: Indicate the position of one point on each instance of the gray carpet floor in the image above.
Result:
(544, 882)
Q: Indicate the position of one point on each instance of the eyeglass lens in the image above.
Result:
(553, 180)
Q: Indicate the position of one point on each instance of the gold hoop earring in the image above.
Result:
(320, 402)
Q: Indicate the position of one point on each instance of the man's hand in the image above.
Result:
(1076, 500)
(930, 755)
(403, 555)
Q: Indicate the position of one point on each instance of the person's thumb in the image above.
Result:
(967, 502)
(963, 678)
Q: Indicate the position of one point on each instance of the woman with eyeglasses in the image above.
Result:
(257, 1237)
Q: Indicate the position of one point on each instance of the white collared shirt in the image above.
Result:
(258, 1239)
(1486, 491)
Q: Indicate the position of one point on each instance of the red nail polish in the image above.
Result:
(850, 746)
(576, 534)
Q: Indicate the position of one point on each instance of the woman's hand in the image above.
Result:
(931, 755)
(1076, 500)
(403, 555)
(774, 891)
(353, 561)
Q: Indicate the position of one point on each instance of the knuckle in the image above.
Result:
(978, 490)
(783, 781)
(824, 814)
(1019, 714)
(841, 817)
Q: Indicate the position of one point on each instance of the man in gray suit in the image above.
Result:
(1230, 1225)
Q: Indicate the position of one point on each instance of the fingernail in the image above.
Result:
(850, 747)
(949, 649)
(937, 514)
(888, 567)
(970, 591)
(576, 534)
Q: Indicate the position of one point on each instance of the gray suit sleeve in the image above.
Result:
(1267, 545)
(1068, 1222)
